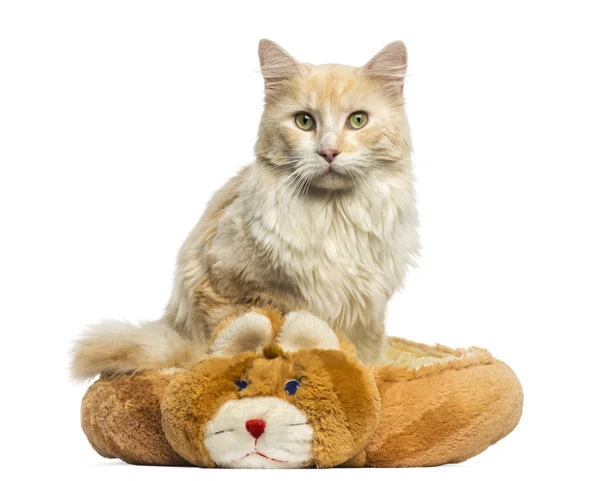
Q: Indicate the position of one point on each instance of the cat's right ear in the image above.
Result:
(276, 64)
(389, 66)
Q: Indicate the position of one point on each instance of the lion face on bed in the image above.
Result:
(274, 408)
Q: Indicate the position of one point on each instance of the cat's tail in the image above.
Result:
(115, 347)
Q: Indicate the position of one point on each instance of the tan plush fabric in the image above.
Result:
(451, 408)
(448, 410)
(338, 395)
(121, 418)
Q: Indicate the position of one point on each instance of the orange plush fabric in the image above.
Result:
(444, 412)
(338, 395)
(121, 418)
(427, 405)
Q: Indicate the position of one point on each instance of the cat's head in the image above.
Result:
(333, 127)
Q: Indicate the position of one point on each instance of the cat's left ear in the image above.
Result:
(276, 64)
(389, 66)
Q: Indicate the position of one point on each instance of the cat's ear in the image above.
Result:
(389, 66)
(275, 63)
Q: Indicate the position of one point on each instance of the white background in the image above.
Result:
(118, 119)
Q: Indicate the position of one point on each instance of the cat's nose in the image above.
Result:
(329, 154)
(256, 427)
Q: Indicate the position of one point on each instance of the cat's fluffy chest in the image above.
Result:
(346, 256)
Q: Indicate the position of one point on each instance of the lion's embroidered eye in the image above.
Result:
(291, 387)
(241, 384)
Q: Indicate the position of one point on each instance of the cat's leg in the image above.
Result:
(368, 338)
(210, 307)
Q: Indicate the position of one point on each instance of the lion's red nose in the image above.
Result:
(256, 427)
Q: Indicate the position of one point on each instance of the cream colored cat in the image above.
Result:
(324, 220)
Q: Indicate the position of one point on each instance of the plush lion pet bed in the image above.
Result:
(279, 392)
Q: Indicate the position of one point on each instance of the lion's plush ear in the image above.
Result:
(302, 330)
(249, 333)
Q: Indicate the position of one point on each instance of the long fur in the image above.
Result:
(284, 233)
(115, 347)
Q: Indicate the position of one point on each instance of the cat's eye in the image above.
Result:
(357, 120)
(304, 121)
(241, 384)
(291, 387)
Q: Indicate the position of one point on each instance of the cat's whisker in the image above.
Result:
(302, 183)
(307, 182)
(289, 181)
(291, 190)
(241, 199)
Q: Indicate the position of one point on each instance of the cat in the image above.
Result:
(324, 220)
